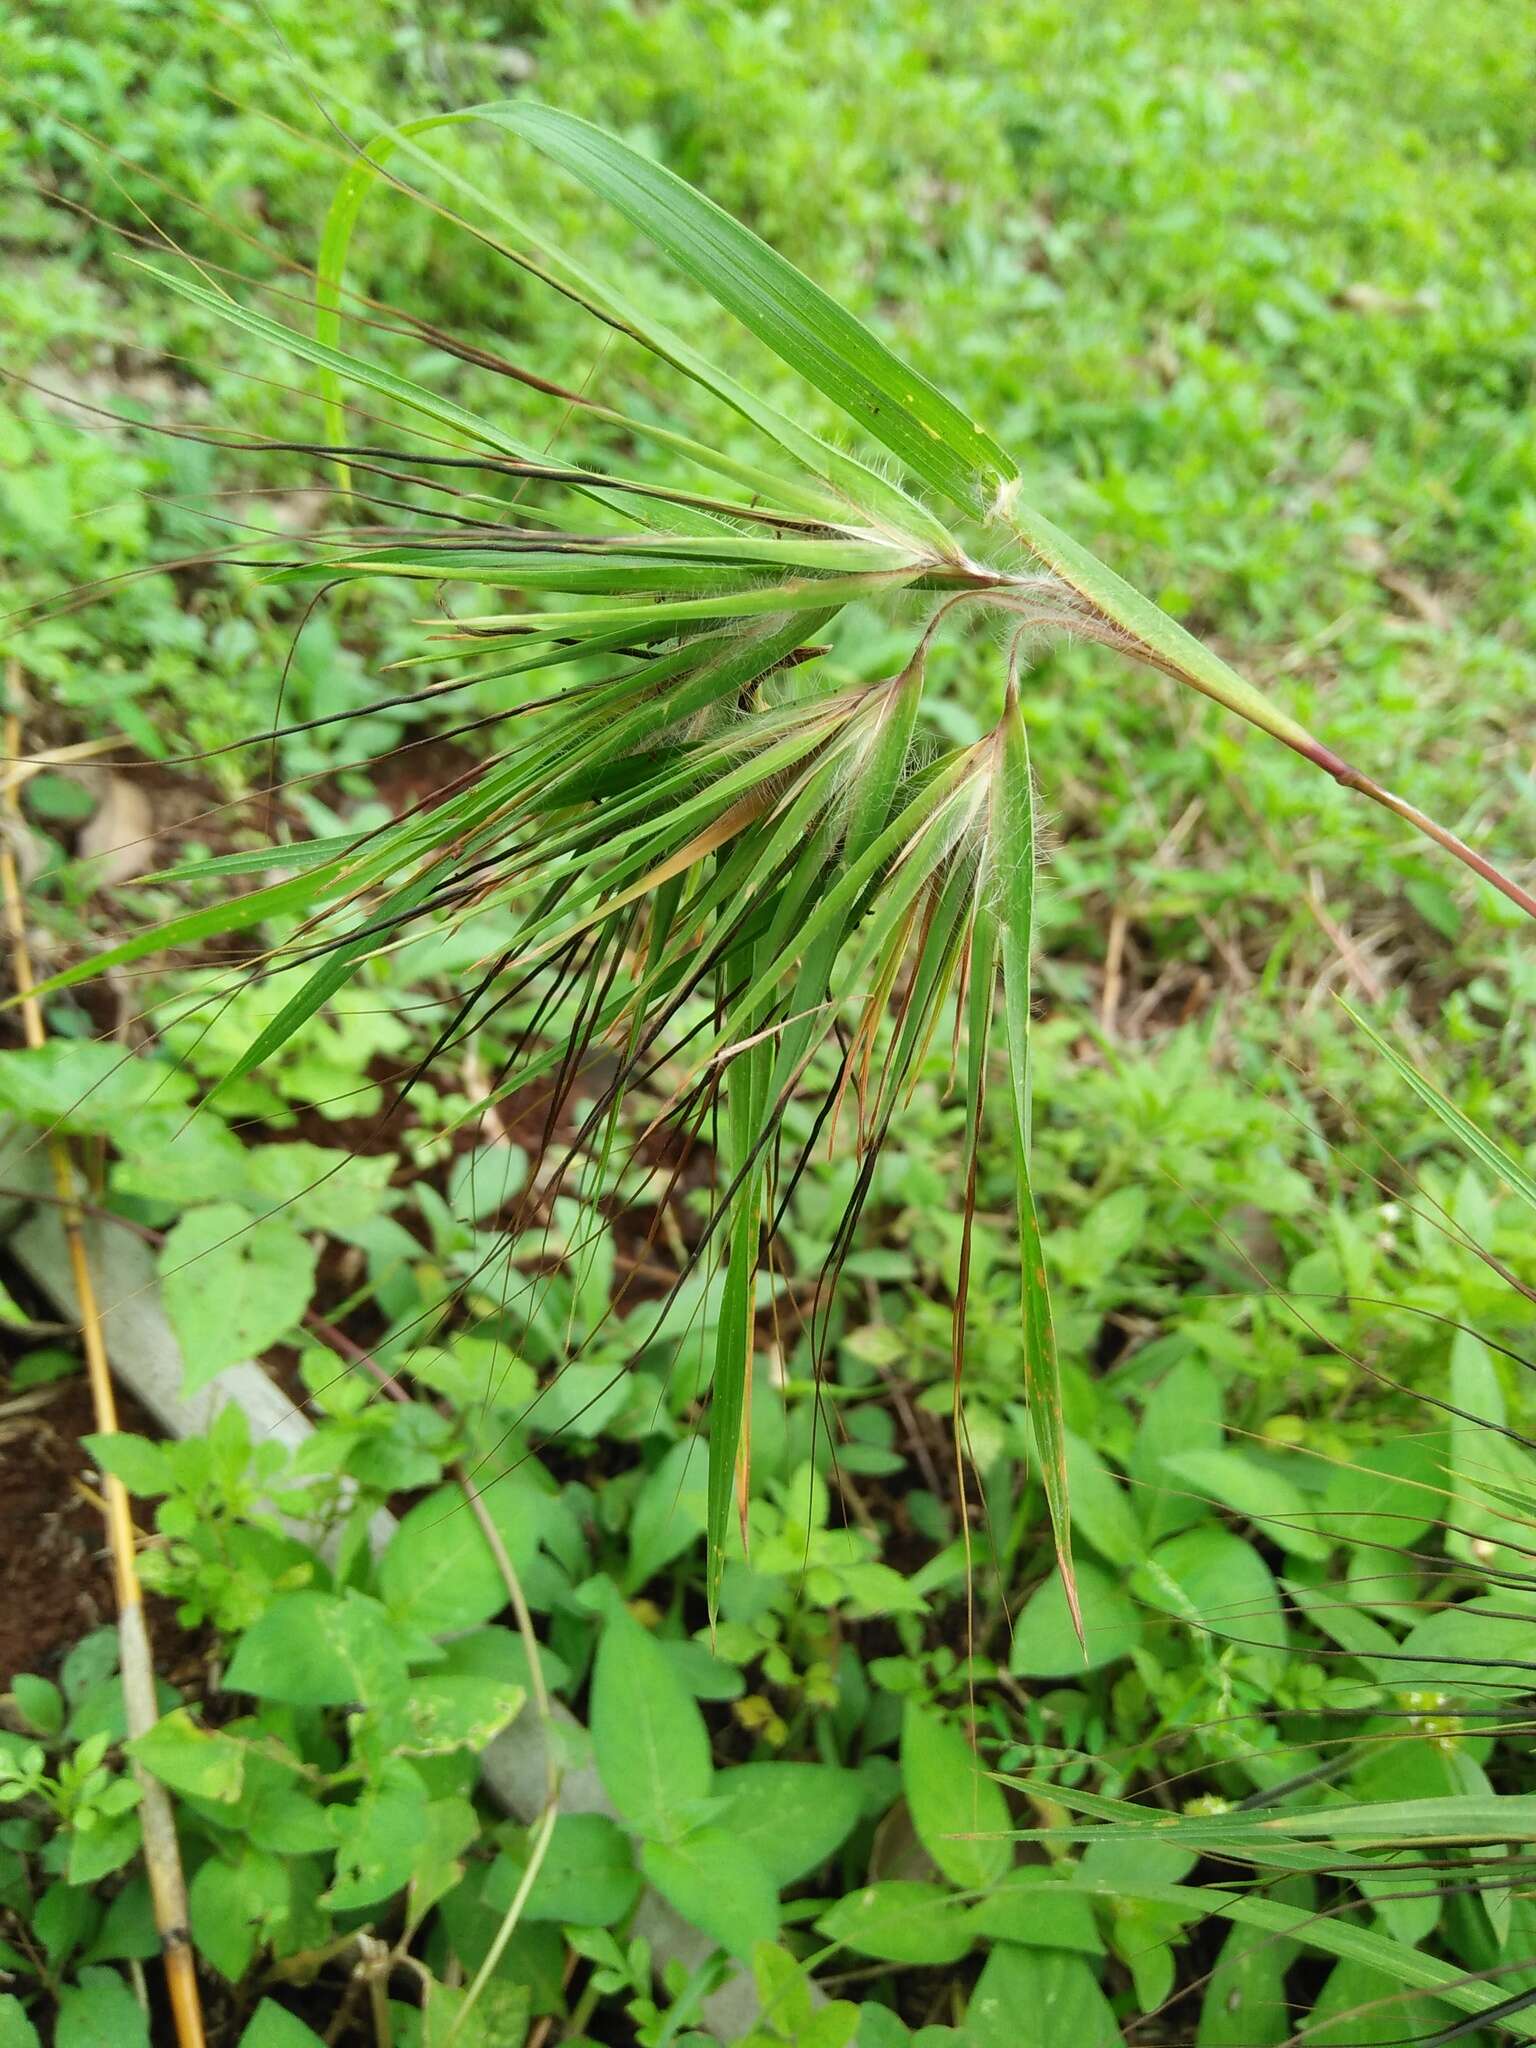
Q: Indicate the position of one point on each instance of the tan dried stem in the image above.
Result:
(162, 1853)
(544, 1827)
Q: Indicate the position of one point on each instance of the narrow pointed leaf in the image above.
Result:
(1477, 1142)
(808, 330)
(1013, 857)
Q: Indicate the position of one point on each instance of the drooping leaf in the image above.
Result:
(811, 332)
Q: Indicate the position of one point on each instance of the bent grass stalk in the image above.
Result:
(707, 821)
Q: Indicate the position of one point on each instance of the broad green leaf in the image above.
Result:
(587, 1878)
(439, 1573)
(669, 1513)
(485, 1180)
(80, 1084)
(39, 1702)
(715, 1881)
(200, 1761)
(880, 2028)
(900, 1921)
(498, 2019)
(500, 1653)
(276, 1810)
(142, 1466)
(16, 2030)
(1046, 1643)
(100, 2011)
(1219, 1586)
(1259, 1494)
(960, 1814)
(317, 1187)
(63, 1920)
(792, 1816)
(1365, 2008)
(1388, 1493)
(1039, 1998)
(233, 1901)
(380, 1840)
(784, 1997)
(441, 1713)
(273, 2026)
(95, 1852)
(1346, 1624)
(1245, 2003)
(1182, 1413)
(232, 1288)
(1480, 1652)
(1102, 1513)
(127, 1932)
(1035, 1910)
(648, 1736)
(316, 1649)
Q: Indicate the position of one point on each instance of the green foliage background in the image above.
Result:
(1250, 291)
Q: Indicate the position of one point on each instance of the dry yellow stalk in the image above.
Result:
(162, 1854)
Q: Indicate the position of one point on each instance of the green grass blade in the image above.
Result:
(1012, 841)
(1153, 631)
(734, 1331)
(192, 928)
(1407, 1966)
(852, 482)
(741, 604)
(805, 328)
(257, 860)
(1467, 1135)
(373, 375)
